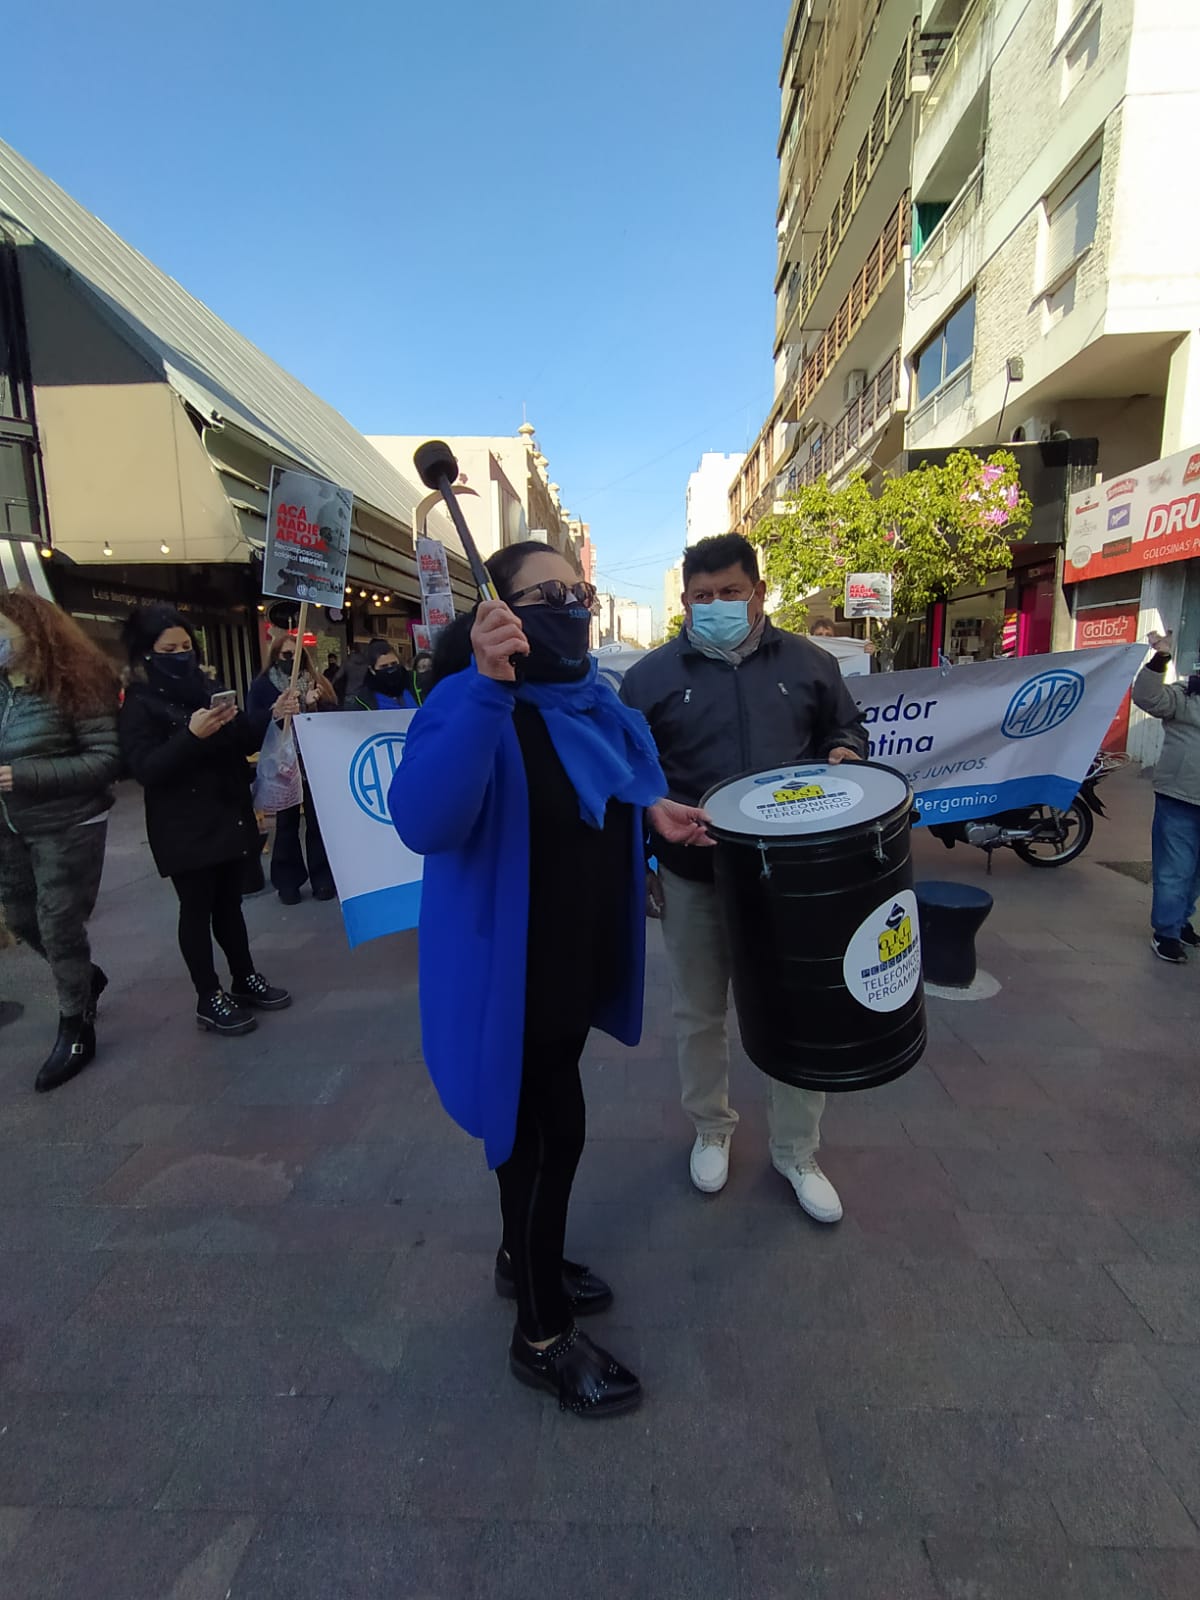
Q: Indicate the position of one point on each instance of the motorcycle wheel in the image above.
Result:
(1076, 825)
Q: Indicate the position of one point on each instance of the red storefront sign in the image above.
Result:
(1109, 625)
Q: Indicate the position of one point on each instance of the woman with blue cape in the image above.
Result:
(524, 784)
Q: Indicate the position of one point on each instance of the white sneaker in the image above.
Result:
(813, 1189)
(710, 1162)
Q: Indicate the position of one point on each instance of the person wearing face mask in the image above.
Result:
(58, 760)
(191, 759)
(294, 861)
(386, 685)
(731, 694)
(1175, 841)
(422, 677)
(523, 785)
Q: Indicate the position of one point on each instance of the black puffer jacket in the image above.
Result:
(198, 808)
(63, 771)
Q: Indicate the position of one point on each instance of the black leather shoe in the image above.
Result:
(99, 984)
(289, 897)
(74, 1048)
(585, 1292)
(325, 892)
(217, 1013)
(257, 992)
(586, 1379)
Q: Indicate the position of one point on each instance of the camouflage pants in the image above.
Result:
(48, 889)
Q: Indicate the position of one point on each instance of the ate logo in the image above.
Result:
(372, 768)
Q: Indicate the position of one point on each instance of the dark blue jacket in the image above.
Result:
(459, 798)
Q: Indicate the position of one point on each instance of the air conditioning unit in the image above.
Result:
(1034, 430)
(854, 385)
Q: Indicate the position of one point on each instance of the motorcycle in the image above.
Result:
(1041, 836)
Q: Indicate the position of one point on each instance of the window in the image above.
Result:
(1069, 13)
(1081, 54)
(1070, 226)
(947, 351)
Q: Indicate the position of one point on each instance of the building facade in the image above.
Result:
(708, 495)
(137, 437)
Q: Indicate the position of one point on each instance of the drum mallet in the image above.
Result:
(438, 469)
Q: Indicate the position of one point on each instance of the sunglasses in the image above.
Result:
(557, 594)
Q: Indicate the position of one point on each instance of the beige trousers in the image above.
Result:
(698, 960)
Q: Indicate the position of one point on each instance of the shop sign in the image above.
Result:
(1104, 626)
(1151, 517)
(868, 594)
(308, 538)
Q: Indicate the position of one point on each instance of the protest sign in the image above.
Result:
(308, 538)
(868, 594)
(437, 602)
(994, 735)
(350, 762)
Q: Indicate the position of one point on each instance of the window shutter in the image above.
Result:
(1072, 224)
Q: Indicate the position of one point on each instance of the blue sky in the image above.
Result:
(435, 214)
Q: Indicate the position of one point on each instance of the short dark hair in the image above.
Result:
(378, 648)
(718, 552)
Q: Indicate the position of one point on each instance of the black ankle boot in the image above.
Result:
(73, 1049)
(99, 984)
(586, 1379)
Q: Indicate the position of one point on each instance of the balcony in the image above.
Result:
(950, 258)
(884, 122)
(884, 258)
(942, 403)
(861, 418)
(954, 90)
(830, 73)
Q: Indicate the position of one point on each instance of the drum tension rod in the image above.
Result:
(766, 865)
(880, 853)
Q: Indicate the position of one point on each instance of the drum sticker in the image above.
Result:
(882, 965)
(802, 796)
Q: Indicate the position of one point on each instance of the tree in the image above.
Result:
(932, 529)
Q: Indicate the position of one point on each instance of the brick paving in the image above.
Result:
(249, 1348)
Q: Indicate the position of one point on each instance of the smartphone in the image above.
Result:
(225, 697)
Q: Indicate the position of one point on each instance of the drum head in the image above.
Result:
(813, 797)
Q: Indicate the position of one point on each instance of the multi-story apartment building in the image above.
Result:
(707, 498)
(846, 126)
(1055, 278)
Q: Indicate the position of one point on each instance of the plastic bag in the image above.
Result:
(278, 784)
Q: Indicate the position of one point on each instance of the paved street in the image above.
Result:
(249, 1346)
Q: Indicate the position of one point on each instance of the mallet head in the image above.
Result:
(435, 462)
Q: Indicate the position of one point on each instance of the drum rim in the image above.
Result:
(756, 839)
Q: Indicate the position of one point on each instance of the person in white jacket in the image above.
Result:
(1176, 835)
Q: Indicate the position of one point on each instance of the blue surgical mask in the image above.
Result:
(724, 623)
(6, 651)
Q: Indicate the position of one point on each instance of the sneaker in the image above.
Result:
(257, 992)
(710, 1162)
(217, 1013)
(1190, 937)
(1169, 950)
(813, 1189)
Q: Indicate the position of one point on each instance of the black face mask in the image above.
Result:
(1193, 683)
(558, 643)
(389, 680)
(177, 668)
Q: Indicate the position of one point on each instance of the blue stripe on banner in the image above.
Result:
(383, 911)
(981, 799)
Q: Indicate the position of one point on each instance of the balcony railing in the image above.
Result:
(950, 229)
(834, 71)
(963, 38)
(883, 125)
(941, 403)
(885, 256)
(857, 422)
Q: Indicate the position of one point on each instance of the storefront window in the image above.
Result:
(975, 627)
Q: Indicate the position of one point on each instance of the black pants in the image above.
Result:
(535, 1181)
(210, 905)
(289, 869)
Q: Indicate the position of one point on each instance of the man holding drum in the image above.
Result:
(731, 694)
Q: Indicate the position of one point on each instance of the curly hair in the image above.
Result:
(58, 659)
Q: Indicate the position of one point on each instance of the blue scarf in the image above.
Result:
(607, 750)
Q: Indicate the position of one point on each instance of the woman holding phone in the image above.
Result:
(187, 745)
(523, 784)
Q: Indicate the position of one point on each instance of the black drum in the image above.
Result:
(814, 875)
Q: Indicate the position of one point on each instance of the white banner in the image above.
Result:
(851, 654)
(994, 735)
(350, 760)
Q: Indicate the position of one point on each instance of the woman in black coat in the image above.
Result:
(191, 759)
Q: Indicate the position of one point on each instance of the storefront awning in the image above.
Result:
(21, 567)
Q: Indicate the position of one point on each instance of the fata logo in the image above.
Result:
(1042, 704)
(372, 768)
(1122, 486)
(1118, 517)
